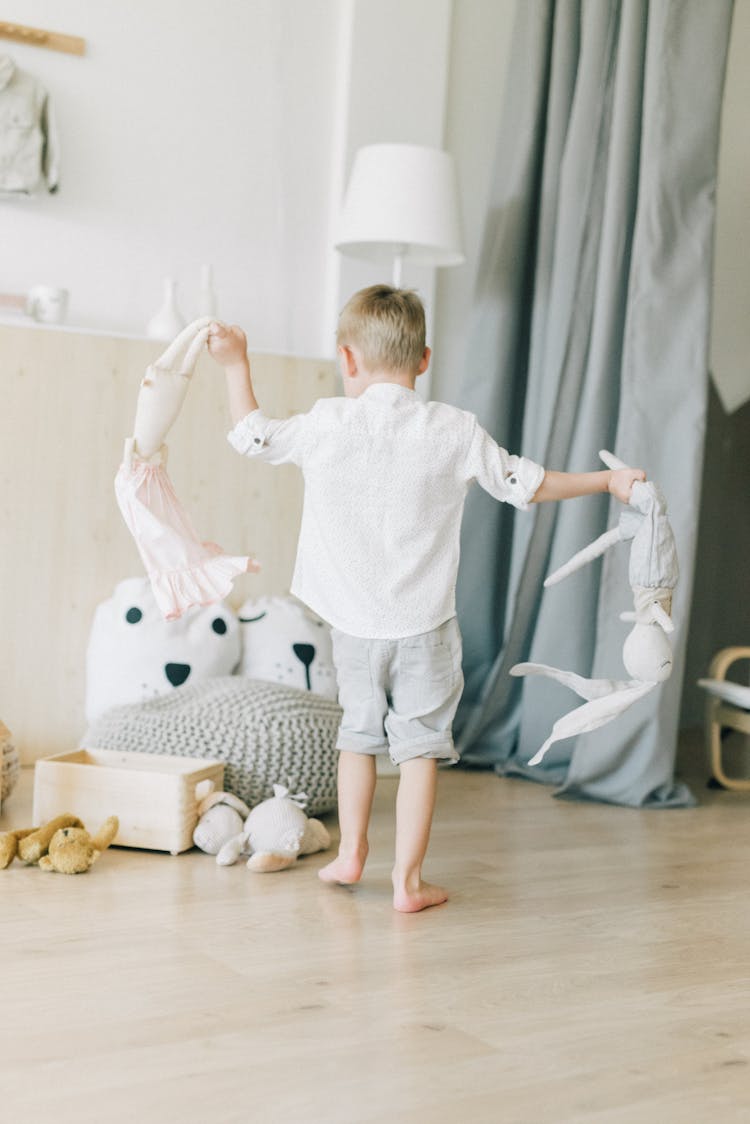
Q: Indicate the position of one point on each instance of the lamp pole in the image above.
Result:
(398, 264)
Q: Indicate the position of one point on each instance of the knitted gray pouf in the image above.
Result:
(265, 733)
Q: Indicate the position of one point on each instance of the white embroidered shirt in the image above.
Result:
(386, 475)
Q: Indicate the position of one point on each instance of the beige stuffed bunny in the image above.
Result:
(62, 845)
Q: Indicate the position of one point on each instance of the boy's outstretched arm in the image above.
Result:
(228, 346)
(568, 485)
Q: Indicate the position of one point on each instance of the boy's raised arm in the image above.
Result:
(568, 485)
(228, 346)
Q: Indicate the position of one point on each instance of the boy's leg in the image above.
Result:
(356, 788)
(414, 807)
(426, 685)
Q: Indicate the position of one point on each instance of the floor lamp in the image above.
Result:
(401, 206)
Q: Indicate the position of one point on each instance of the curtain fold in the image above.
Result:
(590, 331)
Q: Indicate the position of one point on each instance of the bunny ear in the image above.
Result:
(175, 357)
(163, 391)
(611, 460)
(228, 798)
(195, 348)
(588, 554)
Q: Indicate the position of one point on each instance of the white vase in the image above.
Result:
(168, 320)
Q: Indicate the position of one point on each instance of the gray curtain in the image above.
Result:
(589, 331)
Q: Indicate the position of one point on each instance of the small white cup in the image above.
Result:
(47, 304)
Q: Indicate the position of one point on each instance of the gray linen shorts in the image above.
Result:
(399, 696)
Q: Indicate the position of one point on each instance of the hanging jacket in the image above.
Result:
(29, 153)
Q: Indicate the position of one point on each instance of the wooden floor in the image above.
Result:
(593, 964)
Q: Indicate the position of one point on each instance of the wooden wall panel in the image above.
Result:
(67, 403)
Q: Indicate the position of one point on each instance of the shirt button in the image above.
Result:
(257, 440)
(513, 480)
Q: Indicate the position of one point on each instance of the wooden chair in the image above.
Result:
(728, 706)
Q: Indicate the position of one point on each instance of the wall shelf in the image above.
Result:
(40, 37)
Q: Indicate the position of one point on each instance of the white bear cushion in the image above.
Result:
(135, 654)
(284, 642)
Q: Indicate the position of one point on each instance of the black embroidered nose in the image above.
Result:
(176, 673)
(305, 653)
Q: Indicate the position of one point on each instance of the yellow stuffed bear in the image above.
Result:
(61, 845)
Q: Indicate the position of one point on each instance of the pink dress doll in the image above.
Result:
(183, 570)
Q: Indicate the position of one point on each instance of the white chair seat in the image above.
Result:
(727, 706)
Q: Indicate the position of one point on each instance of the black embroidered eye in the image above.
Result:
(219, 625)
(133, 615)
(252, 620)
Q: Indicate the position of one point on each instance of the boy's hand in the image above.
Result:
(621, 481)
(227, 345)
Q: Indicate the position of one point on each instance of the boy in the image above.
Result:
(386, 476)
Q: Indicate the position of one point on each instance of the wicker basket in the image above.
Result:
(154, 798)
(10, 765)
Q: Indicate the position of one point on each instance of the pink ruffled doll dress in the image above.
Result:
(183, 570)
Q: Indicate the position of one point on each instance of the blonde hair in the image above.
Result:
(387, 325)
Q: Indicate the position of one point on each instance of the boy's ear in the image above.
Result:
(348, 362)
(424, 361)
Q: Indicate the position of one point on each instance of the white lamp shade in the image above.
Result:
(402, 201)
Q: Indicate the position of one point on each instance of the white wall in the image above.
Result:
(190, 132)
(196, 133)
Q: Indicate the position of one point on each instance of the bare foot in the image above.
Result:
(345, 869)
(425, 895)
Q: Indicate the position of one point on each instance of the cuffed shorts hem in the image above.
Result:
(442, 751)
(353, 744)
(426, 747)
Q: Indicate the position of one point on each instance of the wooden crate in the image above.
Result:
(153, 797)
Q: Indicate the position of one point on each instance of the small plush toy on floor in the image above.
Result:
(62, 845)
(222, 817)
(275, 833)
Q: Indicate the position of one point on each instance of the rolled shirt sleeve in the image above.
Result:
(507, 477)
(273, 440)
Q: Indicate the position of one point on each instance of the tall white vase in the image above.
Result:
(168, 320)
